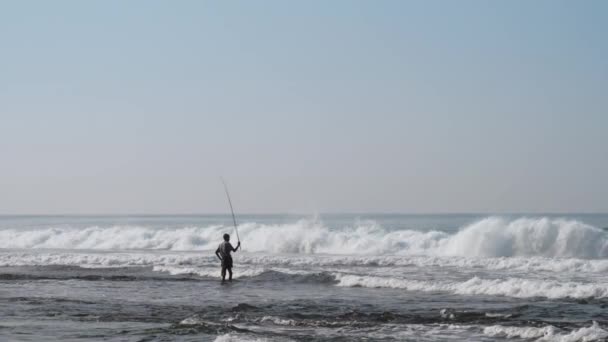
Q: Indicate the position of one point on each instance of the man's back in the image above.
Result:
(224, 249)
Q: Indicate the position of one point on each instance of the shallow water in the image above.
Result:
(328, 278)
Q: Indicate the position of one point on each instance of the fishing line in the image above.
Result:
(231, 210)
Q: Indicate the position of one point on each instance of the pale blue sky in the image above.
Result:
(310, 106)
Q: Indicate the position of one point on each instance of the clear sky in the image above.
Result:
(309, 106)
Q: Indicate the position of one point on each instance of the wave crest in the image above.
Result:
(497, 237)
(490, 237)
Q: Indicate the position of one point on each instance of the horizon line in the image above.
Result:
(300, 214)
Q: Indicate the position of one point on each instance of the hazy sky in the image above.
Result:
(309, 106)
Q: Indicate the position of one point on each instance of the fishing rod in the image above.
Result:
(231, 210)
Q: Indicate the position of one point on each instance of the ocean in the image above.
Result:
(355, 277)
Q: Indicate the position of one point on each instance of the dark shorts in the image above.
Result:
(227, 262)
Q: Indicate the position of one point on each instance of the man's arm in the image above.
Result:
(237, 246)
(217, 253)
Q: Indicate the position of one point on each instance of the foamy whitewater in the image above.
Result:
(298, 278)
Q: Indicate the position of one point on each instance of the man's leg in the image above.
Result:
(223, 274)
(230, 274)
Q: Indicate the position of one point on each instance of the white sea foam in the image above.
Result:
(491, 237)
(458, 332)
(92, 259)
(432, 332)
(548, 333)
(278, 320)
(510, 287)
(519, 332)
(238, 338)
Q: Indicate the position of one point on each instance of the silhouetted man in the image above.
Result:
(223, 252)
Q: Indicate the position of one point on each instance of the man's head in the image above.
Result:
(226, 237)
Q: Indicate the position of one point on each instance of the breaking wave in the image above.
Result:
(490, 237)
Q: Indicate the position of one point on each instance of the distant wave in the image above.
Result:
(490, 237)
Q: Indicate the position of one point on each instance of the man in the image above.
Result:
(223, 253)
